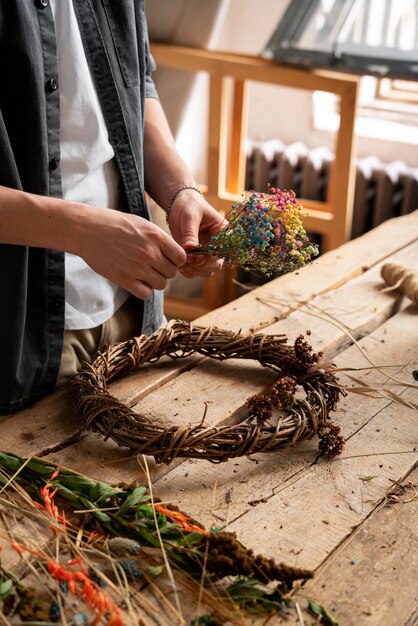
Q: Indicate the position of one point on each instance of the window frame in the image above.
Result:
(380, 60)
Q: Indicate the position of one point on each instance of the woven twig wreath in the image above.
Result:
(302, 411)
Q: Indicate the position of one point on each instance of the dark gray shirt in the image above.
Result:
(114, 36)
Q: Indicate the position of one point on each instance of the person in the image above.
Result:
(83, 137)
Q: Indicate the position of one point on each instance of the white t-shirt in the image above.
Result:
(88, 169)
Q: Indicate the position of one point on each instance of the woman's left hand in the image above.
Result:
(192, 220)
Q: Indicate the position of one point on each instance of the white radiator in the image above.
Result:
(382, 190)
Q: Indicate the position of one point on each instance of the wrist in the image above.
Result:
(60, 222)
(181, 190)
(29, 219)
(83, 222)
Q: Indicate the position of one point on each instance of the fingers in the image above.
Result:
(145, 278)
(204, 262)
(172, 251)
(133, 253)
(158, 265)
(144, 286)
(195, 273)
(190, 234)
(140, 289)
(189, 227)
(200, 266)
(164, 267)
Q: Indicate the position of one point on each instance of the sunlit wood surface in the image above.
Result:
(353, 520)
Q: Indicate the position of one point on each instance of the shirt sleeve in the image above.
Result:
(150, 65)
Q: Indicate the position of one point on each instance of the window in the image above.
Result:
(398, 90)
(373, 37)
(387, 109)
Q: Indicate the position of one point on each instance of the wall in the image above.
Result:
(196, 23)
(242, 26)
(287, 113)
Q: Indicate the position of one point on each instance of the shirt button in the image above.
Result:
(54, 163)
(42, 4)
(51, 85)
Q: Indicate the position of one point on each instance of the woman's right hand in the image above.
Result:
(129, 250)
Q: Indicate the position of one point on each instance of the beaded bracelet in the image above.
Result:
(175, 194)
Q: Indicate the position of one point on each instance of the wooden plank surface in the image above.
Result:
(371, 578)
(289, 505)
(289, 485)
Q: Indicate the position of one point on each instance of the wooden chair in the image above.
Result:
(226, 157)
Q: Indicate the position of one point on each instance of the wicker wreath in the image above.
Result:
(302, 398)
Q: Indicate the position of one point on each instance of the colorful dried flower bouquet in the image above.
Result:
(264, 232)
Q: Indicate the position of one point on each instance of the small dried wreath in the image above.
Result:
(296, 408)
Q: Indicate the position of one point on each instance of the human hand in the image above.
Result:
(192, 220)
(129, 250)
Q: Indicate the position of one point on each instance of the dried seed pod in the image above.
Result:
(123, 546)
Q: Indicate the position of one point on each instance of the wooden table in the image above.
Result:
(353, 520)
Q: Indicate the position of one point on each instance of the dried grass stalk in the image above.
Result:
(303, 418)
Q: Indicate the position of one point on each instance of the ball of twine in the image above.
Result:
(401, 279)
(301, 417)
